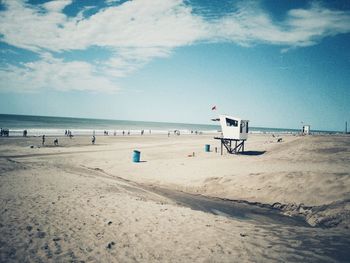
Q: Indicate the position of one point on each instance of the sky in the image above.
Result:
(277, 63)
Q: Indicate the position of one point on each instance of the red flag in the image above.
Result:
(213, 108)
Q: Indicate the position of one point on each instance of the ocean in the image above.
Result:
(56, 126)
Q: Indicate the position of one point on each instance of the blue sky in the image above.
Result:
(276, 63)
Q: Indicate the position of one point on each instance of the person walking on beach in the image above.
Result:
(43, 140)
(55, 142)
(93, 139)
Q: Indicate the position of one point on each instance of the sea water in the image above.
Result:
(56, 126)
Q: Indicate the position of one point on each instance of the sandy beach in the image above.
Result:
(90, 203)
(114, 114)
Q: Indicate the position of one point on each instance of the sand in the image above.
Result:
(83, 202)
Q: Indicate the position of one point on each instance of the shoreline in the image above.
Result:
(100, 132)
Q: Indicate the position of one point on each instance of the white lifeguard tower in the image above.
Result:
(306, 130)
(233, 129)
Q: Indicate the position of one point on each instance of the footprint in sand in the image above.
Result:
(40, 234)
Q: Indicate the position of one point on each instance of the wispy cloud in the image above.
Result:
(138, 31)
(52, 73)
(56, 6)
(302, 27)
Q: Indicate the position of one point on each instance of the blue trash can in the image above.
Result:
(136, 156)
(207, 147)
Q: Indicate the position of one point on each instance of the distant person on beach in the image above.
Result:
(25, 133)
(128, 132)
(93, 139)
(115, 133)
(43, 140)
(5, 132)
(65, 132)
(55, 142)
(142, 131)
(168, 133)
(123, 133)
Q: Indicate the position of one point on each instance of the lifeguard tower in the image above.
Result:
(306, 130)
(233, 130)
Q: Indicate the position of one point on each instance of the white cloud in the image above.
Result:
(156, 23)
(138, 31)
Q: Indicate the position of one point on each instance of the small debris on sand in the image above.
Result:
(109, 246)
